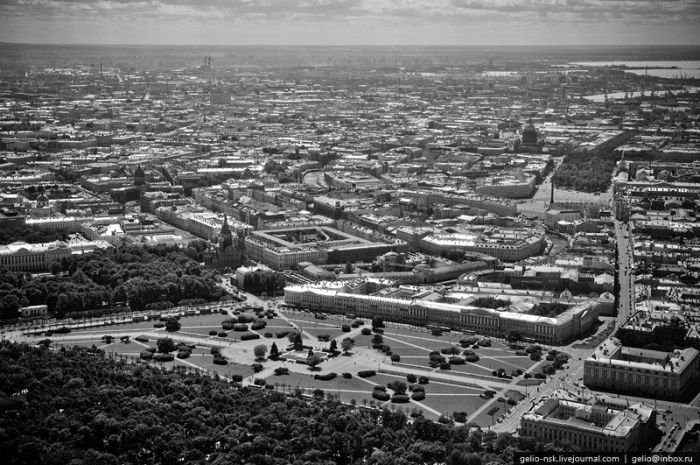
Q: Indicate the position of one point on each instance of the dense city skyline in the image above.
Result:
(311, 253)
(353, 22)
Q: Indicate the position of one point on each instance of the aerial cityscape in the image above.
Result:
(347, 254)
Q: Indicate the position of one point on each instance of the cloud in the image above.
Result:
(473, 20)
(450, 10)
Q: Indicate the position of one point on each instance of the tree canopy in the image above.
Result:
(77, 406)
(140, 277)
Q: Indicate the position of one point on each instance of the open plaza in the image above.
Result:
(481, 391)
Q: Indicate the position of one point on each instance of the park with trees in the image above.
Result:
(120, 278)
(77, 406)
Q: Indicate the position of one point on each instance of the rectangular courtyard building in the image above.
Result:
(654, 373)
(285, 248)
(589, 427)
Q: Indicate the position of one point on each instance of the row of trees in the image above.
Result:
(137, 276)
(76, 406)
(21, 232)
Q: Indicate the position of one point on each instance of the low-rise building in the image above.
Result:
(641, 371)
(345, 298)
(589, 427)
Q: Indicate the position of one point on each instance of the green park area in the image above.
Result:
(359, 361)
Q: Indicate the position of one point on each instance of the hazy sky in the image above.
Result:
(352, 22)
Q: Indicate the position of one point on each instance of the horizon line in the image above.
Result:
(115, 44)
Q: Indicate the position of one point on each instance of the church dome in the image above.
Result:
(529, 134)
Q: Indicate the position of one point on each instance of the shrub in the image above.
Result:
(245, 319)
(460, 416)
(535, 356)
(222, 334)
(237, 378)
(533, 348)
(215, 351)
(418, 395)
(268, 335)
(511, 401)
(521, 353)
(279, 371)
(257, 367)
(540, 376)
(366, 331)
(399, 387)
(473, 358)
(444, 420)
(213, 332)
(418, 388)
(141, 339)
(527, 376)
(183, 354)
(326, 377)
(485, 342)
(258, 325)
(411, 378)
(240, 327)
(249, 336)
(359, 322)
(423, 380)
(366, 373)
(281, 334)
(146, 355)
(220, 361)
(458, 360)
(347, 375)
(436, 332)
(445, 366)
(324, 337)
(159, 325)
(452, 350)
(345, 328)
(259, 382)
(379, 387)
(380, 395)
(150, 349)
(163, 357)
(468, 341)
(400, 399)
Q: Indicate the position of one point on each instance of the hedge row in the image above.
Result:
(380, 395)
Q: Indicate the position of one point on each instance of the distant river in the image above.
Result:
(621, 95)
(672, 69)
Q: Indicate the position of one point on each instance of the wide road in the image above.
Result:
(625, 249)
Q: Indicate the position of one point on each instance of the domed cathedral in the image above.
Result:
(139, 176)
(228, 252)
(530, 139)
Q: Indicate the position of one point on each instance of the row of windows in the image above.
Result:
(583, 441)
